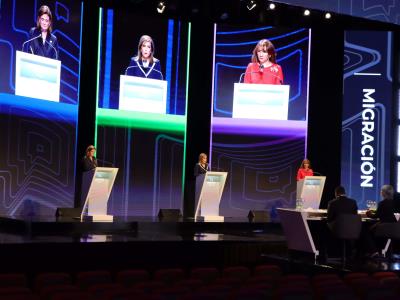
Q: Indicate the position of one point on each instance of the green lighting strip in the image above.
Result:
(98, 75)
(141, 120)
(186, 109)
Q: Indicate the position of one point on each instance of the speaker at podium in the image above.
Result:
(209, 188)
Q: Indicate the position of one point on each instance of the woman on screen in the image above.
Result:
(145, 64)
(263, 68)
(202, 166)
(89, 161)
(41, 41)
(304, 170)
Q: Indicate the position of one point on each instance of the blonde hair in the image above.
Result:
(266, 46)
(201, 156)
(305, 161)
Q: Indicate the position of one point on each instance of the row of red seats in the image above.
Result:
(265, 282)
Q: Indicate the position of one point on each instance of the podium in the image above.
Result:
(37, 77)
(97, 185)
(142, 94)
(310, 191)
(209, 188)
(260, 101)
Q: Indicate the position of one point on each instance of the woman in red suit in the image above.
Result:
(263, 67)
(304, 170)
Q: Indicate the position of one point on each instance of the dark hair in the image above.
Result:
(44, 10)
(340, 191)
(90, 148)
(266, 46)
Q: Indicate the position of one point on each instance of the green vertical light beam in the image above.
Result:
(186, 109)
(98, 73)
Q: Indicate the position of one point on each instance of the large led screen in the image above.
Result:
(259, 123)
(39, 84)
(141, 119)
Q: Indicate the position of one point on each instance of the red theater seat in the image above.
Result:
(129, 278)
(207, 275)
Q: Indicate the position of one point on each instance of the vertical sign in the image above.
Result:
(367, 106)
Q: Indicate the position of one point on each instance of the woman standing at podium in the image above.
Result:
(41, 41)
(304, 170)
(263, 68)
(145, 64)
(202, 166)
(89, 161)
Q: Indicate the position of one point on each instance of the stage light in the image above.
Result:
(307, 12)
(161, 7)
(251, 4)
(272, 6)
(328, 16)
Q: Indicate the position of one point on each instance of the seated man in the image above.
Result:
(385, 214)
(341, 205)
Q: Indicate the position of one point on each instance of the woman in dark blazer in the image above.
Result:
(41, 41)
(89, 161)
(202, 166)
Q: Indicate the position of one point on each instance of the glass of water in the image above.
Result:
(299, 203)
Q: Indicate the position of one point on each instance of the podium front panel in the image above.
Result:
(37, 77)
(311, 192)
(142, 94)
(260, 101)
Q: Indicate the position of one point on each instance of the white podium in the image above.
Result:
(142, 94)
(260, 101)
(37, 76)
(97, 185)
(310, 191)
(209, 188)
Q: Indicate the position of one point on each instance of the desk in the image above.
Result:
(297, 231)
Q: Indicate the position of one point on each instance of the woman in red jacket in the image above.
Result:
(304, 170)
(263, 68)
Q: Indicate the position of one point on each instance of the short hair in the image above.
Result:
(142, 40)
(201, 156)
(340, 190)
(266, 46)
(44, 10)
(387, 191)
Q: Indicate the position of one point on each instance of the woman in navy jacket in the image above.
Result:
(41, 41)
(145, 64)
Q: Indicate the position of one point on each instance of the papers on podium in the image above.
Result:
(260, 101)
(142, 94)
(37, 77)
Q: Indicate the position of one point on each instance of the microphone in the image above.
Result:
(317, 173)
(260, 70)
(126, 70)
(241, 75)
(34, 38)
(55, 50)
(130, 67)
(162, 77)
